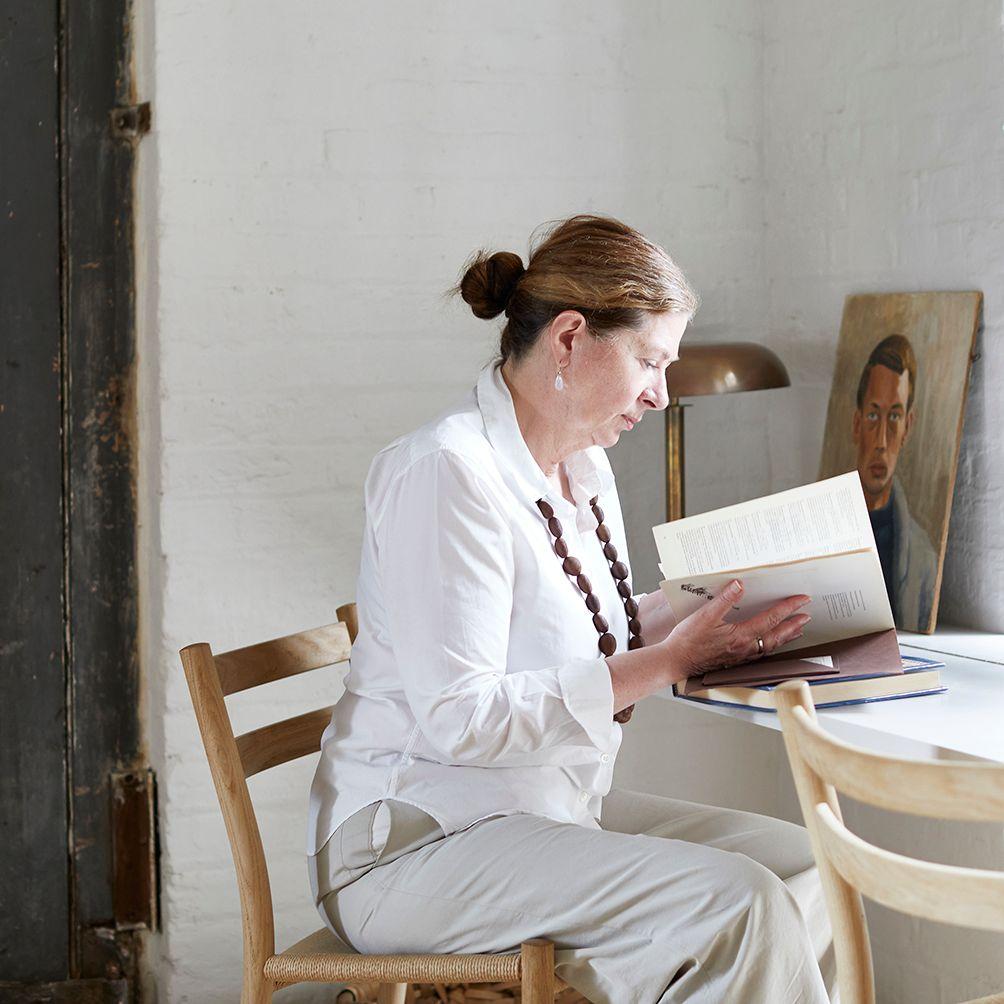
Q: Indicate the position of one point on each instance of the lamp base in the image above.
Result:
(674, 459)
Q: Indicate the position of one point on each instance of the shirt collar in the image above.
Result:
(589, 472)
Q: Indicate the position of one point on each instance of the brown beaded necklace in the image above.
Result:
(573, 568)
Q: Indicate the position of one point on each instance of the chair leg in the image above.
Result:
(538, 971)
(392, 993)
(257, 989)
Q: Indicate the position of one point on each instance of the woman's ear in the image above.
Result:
(565, 328)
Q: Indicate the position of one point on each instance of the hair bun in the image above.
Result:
(489, 282)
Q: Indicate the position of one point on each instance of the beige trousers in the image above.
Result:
(670, 901)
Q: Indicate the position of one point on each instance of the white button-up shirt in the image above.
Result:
(476, 686)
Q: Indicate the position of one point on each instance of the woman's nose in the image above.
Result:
(658, 396)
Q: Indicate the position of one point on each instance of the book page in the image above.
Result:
(826, 517)
(848, 595)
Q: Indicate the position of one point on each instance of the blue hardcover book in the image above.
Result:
(918, 676)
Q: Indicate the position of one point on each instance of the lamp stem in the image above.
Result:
(674, 459)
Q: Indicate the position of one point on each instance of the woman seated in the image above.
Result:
(463, 798)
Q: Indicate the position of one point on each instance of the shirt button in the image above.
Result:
(605, 758)
(583, 796)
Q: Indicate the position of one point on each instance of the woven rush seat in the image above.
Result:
(323, 958)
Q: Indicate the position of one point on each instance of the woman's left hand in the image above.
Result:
(656, 617)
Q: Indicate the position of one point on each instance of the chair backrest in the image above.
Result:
(233, 759)
(851, 867)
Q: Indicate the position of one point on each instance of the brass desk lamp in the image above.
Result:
(722, 368)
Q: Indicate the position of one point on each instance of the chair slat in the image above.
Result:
(243, 668)
(970, 897)
(942, 790)
(283, 741)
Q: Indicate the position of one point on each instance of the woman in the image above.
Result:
(458, 804)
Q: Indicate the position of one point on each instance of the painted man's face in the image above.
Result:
(881, 427)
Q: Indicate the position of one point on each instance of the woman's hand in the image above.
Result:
(656, 616)
(699, 642)
(705, 641)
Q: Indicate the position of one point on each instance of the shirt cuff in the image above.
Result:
(588, 691)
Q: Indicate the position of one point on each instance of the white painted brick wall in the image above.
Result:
(884, 160)
(884, 170)
(316, 175)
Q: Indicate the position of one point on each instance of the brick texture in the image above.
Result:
(316, 176)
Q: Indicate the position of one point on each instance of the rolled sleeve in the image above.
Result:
(588, 691)
(446, 560)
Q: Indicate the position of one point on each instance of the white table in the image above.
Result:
(966, 721)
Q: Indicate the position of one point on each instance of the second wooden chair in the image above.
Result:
(849, 866)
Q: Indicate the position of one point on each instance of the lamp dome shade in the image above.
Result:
(725, 368)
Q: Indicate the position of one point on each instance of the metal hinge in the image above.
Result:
(131, 122)
(135, 850)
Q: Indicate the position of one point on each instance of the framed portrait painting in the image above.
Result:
(895, 414)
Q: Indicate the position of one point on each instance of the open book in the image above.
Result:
(815, 540)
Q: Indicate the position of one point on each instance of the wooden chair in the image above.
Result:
(320, 957)
(849, 866)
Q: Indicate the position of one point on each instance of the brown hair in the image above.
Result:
(895, 353)
(596, 265)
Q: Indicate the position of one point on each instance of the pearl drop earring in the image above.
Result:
(559, 384)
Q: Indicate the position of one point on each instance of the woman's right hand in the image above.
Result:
(705, 641)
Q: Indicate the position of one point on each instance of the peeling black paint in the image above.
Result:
(99, 359)
(34, 873)
(69, 685)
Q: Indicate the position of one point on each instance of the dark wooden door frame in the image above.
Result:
(67, 418)
(33, 810)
